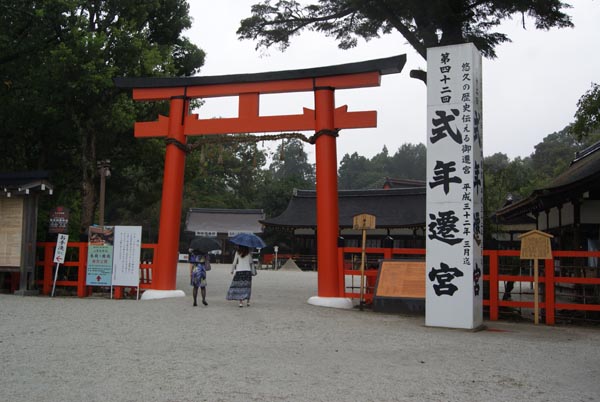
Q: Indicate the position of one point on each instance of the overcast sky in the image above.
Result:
(530, 90)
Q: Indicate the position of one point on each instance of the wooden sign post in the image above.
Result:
(535, 245)
(363, 222)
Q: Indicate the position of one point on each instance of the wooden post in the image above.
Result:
(535, 245)
(363, 222)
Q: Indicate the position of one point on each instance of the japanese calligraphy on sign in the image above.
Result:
(126, 256)
(454, 187)
(61, 248)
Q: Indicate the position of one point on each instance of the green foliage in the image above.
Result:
(288, 170)
(358, 172)
(587, 116)
(60, 109)
(423, 24)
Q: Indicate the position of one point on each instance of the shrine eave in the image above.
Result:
(389, 65)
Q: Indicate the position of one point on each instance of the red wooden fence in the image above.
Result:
(555, 272)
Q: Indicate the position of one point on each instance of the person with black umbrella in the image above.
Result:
(199, 264)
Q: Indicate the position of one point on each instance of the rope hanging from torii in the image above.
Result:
(227, 139)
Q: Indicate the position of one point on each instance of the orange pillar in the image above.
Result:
(327, 194)
(165, 273)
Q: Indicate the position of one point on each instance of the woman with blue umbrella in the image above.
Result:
(242, 268)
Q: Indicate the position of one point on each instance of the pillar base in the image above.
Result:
(335, 302)
(27, 292)
(153, 294)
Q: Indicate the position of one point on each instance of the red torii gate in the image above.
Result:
(325, 120)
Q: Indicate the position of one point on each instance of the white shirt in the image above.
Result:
(241, 263)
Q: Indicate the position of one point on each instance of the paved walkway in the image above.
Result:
(279, 349)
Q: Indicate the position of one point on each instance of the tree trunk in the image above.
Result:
(88, 192)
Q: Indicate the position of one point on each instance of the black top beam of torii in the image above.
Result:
(389, 65)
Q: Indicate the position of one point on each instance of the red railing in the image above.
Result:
(74, 254)
(553, 272)
(548, 278)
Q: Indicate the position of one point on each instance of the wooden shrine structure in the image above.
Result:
(326, 120)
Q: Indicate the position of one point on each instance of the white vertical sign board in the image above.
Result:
(454, 271)
(126, 256)
(61, 248)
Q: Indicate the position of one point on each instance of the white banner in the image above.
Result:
(126, 256)
(454, 271)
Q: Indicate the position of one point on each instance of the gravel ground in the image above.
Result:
(279, 349)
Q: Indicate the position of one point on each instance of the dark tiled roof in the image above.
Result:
(402, 183)
(393, 208)
(581, 176)
(224, 220)
(19, 183)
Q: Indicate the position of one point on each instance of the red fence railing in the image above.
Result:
(574, 271)
(565, 268)
(73, 271)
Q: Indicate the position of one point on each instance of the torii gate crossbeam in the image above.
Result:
(325, 120)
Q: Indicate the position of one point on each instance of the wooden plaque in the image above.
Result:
(535, 245)
(401, 279)
(363, 221)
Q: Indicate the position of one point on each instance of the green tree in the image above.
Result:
(357, 172)
(288, 170)
(554, 154)
(423, 24)
(61, 109)
(409, 162)
(587, 116)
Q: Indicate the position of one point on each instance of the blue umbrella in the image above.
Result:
(248, 239)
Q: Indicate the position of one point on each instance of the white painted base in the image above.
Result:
(161, 294)
(335, 302)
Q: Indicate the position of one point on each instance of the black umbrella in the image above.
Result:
(204, 244)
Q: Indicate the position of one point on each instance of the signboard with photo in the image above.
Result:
(100, 256)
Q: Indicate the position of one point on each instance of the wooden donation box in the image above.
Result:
(400, 287)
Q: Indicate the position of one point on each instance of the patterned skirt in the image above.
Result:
(241, 286)
(198, 279)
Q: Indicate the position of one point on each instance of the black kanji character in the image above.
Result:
(442, 175)
(444, 277)
(443, 227)
(442, 126)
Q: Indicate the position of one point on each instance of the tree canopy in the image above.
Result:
(587, 116)
(422, 23)
(60, 109)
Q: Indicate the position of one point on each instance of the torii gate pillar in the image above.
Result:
(325, 120)
(172, 199)
(327, 195)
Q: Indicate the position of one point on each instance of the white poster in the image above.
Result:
(61, 248)
(126, 256)
(454, 242)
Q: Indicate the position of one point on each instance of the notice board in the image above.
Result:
(400, 286)
(126, 256)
